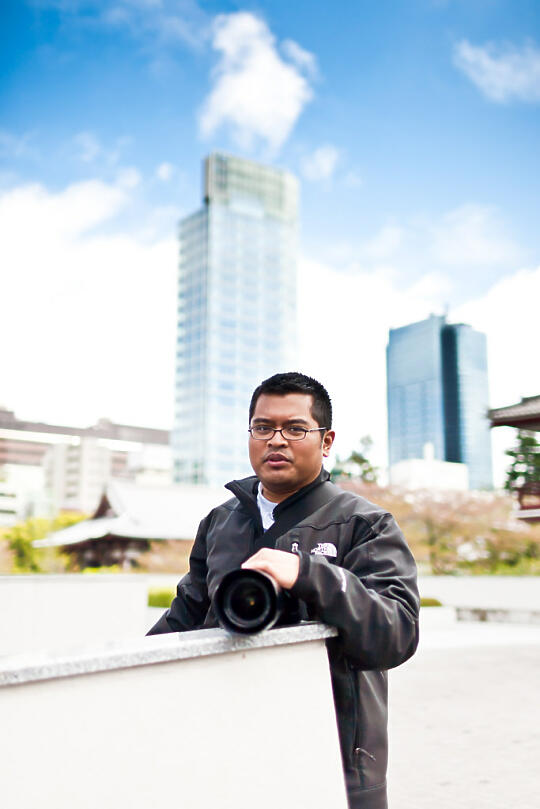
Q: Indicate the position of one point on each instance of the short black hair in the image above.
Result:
(295, 382)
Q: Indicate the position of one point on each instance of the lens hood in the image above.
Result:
(247, 601)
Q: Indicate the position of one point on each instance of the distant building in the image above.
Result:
(130, 516)
(236, 312)
(437, 388)
(429, 473)
(10, 505)
(50, 467)
(22, 493)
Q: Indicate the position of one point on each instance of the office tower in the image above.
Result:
(467, 431)
(437, 388)
(236, 312)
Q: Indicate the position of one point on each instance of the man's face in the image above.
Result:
(285, 466)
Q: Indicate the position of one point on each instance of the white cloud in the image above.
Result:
(17, 146)
(256, 94)
(501, 72)
(89, 317)
(353, 179)
(508, 315)
(469, 245)
(128, 177)
(156, 23)
(164, 172)
(472, 235)
(320, 164)
(385, 243)
(53, 217)
(344, 333)
(304, 59)
(160, 223)
(89, 146)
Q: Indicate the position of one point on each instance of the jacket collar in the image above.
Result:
(245, 490)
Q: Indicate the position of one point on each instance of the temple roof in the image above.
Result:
(131, 511)
(525, 414)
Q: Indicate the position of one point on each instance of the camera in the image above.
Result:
(248, 601)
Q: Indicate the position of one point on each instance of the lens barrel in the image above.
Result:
(247, 601)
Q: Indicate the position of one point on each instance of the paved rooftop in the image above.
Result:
(465, 718)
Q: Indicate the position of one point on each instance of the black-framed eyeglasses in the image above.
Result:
(262, 432)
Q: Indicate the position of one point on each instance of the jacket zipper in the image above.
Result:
(356, 708)
(358, 752)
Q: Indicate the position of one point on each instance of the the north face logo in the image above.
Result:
(325, 549)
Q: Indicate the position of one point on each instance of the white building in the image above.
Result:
(22, 493)
(429, 473)
(48, 468)
(77, 473)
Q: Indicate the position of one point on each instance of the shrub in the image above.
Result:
(160, 596)
(430, 602)
(20, 544)
(97, 570)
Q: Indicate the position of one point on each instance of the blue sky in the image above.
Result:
(413, 127)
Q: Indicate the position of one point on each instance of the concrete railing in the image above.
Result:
(48, 612)
(202, 720)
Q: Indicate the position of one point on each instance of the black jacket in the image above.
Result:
(356, 573)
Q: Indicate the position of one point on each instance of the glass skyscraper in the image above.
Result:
(437, 388)
(236, 312)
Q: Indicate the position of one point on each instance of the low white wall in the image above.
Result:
(510, 592)
(244, 728)
(49, 612)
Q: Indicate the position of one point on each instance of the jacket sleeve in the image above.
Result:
(188, 610)
(372, 598)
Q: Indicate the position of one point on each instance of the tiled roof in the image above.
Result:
(525, 413)
(144, 512)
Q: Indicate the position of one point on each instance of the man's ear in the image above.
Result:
(328, 440)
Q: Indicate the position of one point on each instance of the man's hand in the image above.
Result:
(281, 565)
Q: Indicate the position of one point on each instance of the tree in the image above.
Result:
(357, 465)
(523, 474)
(20, 539)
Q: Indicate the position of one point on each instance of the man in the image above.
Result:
(340, 559)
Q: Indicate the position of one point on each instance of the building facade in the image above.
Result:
(437, 391)
(236, 312)
(49, 467)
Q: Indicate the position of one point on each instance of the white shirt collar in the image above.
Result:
(266, 507)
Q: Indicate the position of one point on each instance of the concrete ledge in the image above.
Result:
(42, 612)
(498, 615)
(197, 717)
(20, 669)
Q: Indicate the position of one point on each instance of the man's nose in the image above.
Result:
(277, 439)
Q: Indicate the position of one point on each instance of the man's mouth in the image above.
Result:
(276, 458)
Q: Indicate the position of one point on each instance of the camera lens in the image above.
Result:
(247, 601)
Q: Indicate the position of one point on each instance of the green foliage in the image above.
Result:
(430, 602)
(357, 464)
(20, 537)
(27, 558)
(522, 566)
(525, 466)
(97, 570)
(160, 596)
